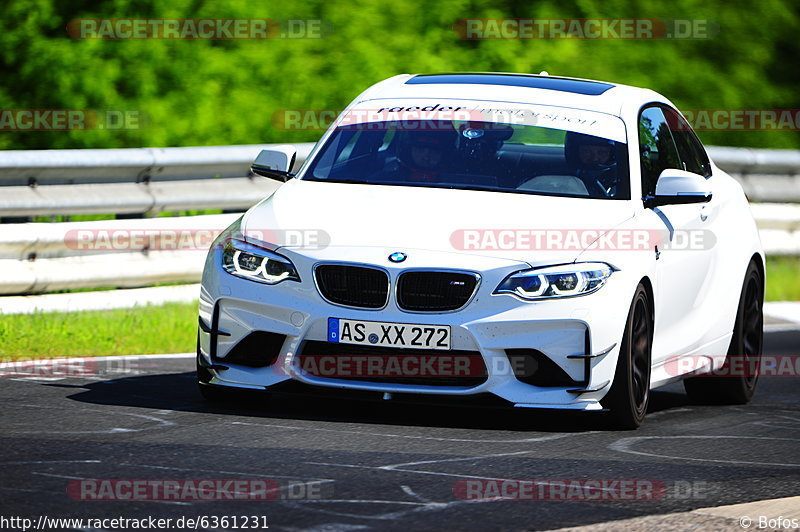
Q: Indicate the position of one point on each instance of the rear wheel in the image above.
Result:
(630, 392)
(735, 382)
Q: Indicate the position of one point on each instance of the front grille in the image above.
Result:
(391, 365)
(435, 291)
(353, 286)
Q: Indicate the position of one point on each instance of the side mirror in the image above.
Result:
(275, 163)
(676, 187)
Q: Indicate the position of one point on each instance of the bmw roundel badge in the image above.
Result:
(398, 256)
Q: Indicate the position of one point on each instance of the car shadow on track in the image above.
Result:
(178, 391)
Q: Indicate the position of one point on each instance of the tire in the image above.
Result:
(629, 396)
(735, 383)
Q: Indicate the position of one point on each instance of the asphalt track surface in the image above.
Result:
(338, 465)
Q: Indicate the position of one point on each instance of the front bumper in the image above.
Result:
(581, 335)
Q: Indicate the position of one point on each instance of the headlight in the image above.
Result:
(557, 281)
(250, 262)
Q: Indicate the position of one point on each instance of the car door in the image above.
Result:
(684, 256)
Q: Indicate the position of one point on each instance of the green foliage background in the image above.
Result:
(225, 92)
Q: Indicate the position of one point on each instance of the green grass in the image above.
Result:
(172, 328)
(169, 328)
(783, 279)
(55, 218)
(105, 288)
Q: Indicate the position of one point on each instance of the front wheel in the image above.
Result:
(630, 392)
(735, 382)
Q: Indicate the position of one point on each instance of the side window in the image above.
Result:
(657, 148)
(691, 152)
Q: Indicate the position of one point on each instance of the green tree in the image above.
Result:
(201, 92)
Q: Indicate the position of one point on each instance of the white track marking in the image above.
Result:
(401, 466)
(624, 446)
(38, 462)
(24, 490)
(668, 411)
(116, 430)
(417, 507)
(309, 481)
(67, 477)
(394, 467)
(244, 474)
(384, 435)
(408, 491)
(109, 358)
(783, 425)
(333, 527)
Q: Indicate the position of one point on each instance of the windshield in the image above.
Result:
(493, 156)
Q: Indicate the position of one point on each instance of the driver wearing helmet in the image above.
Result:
(594, 161)
(423, 153)
(426, 153)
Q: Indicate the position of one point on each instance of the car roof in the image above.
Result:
(540, 89)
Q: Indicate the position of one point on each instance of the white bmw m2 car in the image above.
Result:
(498, 239)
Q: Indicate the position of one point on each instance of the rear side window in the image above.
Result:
(691, 152)
(657, 148)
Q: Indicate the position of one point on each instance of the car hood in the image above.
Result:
(313, 214)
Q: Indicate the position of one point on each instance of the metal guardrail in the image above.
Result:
(765, 175)
(232, 193)
(131, 165)
(41, 257)
(147, 181)
(132, 181)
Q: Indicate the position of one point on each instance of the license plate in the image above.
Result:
(404, 335)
